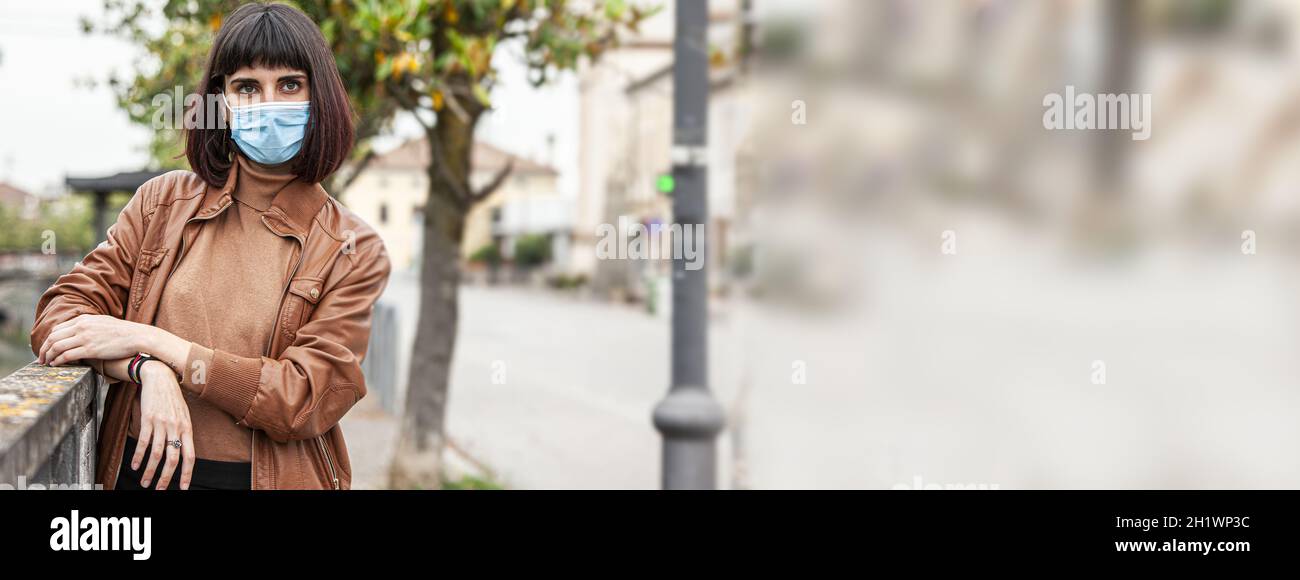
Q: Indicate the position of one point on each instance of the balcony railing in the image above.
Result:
(48, 423)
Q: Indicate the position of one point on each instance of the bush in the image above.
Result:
(567, 282)
(532, 250)
(488, 254)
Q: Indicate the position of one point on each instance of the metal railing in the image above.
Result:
(380, 365)
(49, 418)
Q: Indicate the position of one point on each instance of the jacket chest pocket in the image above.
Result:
(142, 278)
(304, 293)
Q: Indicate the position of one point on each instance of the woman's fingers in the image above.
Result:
(187, 455)
(60, 345)
(173, 457)
(141, 445)
(53, 337)
(75, 353)
(63, 330)
(47, 346)
(155, 452)
(165, 424)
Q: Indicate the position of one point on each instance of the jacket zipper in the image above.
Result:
(328, 461)
(266, 351)
(302, 252)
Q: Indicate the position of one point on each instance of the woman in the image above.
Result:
(232, 302)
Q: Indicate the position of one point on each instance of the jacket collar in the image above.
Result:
(294, 208)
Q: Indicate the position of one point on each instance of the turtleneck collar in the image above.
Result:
(256, 185)
(291, 214)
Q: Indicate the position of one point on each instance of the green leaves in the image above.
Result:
(614, 9)
(481, 94)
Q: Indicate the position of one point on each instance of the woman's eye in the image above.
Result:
(246, 89)
(291, 86)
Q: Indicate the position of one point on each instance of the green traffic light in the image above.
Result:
(666, 183)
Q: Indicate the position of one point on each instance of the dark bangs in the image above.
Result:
(264, 39)
(273, 36)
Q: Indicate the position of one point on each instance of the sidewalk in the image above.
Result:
(969, 369)
(371, 434)
(574, 412)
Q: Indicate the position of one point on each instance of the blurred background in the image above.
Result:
(913, 282)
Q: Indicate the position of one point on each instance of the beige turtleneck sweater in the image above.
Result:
(224, 295)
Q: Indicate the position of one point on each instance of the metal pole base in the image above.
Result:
(689, 420)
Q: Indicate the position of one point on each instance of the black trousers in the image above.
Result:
(207, 474)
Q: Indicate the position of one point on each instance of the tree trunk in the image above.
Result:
(418, 461)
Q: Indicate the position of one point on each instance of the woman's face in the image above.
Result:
(255, 84)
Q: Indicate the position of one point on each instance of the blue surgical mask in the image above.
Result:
(269, 133)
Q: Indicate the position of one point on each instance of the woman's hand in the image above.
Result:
(164, 417)
(93, 336)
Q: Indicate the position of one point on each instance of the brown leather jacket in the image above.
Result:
(309, 375)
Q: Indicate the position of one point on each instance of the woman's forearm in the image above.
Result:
(168, 347)
(116, 369)
(172, 349)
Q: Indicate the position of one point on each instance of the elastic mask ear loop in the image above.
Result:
(229, 112)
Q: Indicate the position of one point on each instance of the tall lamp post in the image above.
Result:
(688, 418)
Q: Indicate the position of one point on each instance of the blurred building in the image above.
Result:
(24, 204)
(391, 192)
(626, 140)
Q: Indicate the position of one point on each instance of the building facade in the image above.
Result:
(391, 192)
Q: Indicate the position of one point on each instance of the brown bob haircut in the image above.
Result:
(275, 36)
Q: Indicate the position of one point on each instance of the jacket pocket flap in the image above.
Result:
(308, 288)
(149, 259)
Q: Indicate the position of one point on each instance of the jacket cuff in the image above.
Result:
(197, 368)
(232, 383)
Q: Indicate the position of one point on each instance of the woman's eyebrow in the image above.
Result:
(293, 77)
(243, 80)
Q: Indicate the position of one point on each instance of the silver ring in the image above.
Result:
(175, 443)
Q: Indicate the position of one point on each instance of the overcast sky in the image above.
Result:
(51, 127)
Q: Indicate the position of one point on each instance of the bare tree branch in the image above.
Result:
(493, 185)
(452, 102)
(460, 188)
(357, 169)
(410, 104)
(438, 163)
